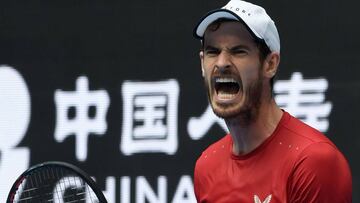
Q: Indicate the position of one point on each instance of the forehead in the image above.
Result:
(228, 33)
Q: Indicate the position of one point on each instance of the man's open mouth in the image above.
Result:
(226, 87)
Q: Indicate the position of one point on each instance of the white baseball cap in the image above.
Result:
(253, 16)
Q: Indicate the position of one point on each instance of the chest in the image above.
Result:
(247, 182)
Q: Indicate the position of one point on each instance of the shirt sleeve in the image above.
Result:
(320, 175)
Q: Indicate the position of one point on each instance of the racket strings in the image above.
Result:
(54, 185)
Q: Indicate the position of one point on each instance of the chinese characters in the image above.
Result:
(81, 124)
(304, 99)
(150, 117)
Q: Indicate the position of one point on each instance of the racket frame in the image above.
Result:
(82, 174)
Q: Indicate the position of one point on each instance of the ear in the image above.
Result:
(271, 64)
(201, 54)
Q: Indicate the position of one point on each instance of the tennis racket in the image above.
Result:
(57, 182)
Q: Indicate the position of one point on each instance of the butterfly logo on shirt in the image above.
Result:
(257, 199)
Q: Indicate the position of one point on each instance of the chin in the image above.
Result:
(225, 111)
(244, 115)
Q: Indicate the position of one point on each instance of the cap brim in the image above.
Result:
(214, 15)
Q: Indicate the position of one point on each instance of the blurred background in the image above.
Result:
(115, 88)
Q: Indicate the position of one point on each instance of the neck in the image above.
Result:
(248, 136)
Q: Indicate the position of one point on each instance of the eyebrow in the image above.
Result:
(231, 49)
(240, 47)
(210, 47)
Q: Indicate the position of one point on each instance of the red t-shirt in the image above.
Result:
(296, 164)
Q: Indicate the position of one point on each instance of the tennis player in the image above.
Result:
(269, 156)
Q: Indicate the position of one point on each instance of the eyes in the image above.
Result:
(211, 52)
(235, 51)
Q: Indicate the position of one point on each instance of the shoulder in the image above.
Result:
(209, 163)
(313, 162)
(294, 138)
(298, 134)
(315, 150)
(322, 173)
(322, 155)
(214, 154)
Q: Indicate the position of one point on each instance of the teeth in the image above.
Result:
(223, 80)
(226, 95)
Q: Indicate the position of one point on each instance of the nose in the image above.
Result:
(223, 61)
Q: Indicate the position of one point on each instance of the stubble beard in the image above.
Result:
(245, 113)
